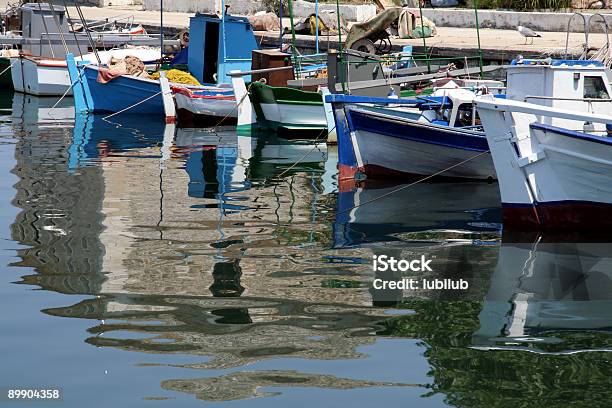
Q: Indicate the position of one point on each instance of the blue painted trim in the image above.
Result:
(573, 134)
(342, 98)
(556, 63)
(346, 153)
(407, 129)
(80, 87)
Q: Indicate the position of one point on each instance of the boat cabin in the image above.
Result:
(453, 105)
(209, 59)
(576, 85)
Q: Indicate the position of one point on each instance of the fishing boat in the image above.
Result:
(401, 138)
(205, 107)
(43, 34)
(553, 156)
(42, 76)
(209, 61)
(287, 108)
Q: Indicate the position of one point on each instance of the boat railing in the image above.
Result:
(557, 98)
(505, 105)
(586, 21)
(235, 74)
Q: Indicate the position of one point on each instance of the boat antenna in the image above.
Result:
(317, 26)
(478, 38)
(280, 19)
(339, 27)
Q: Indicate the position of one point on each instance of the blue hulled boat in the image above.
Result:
(209, 61)
(385, 137)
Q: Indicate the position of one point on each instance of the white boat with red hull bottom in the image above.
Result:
(554, 165)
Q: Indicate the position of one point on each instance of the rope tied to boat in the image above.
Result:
(65, 93)
(133, 105)
(316, 146)
(414, 183)
(214, 128)
(5, 70)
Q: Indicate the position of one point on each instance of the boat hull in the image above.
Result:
(391, 146)
(208, 109)
(280, 107)
(135, 95)
(572, 183)
(40, 77)
(550, 178)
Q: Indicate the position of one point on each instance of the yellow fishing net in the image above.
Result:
(177, 76)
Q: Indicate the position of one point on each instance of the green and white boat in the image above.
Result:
(281, 109)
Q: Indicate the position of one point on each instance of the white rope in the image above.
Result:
(316, 146)
(5, 70)
(412, 184)
(132, 106)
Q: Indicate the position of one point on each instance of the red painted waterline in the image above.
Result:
(558, 216)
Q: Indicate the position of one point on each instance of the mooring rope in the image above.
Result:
(5, 70)
(66, 93)
(308, 152)
(214, 128)
(413, 184)
(132, 106)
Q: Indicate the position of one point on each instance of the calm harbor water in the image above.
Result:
(144, 266)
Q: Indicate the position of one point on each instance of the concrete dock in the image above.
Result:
(496, 45)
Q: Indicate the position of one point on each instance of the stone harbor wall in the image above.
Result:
(301, 8)
(509, 20)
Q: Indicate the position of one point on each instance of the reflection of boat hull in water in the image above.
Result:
(95, 137)
(30, 109)
(546, 287)
(421, 207)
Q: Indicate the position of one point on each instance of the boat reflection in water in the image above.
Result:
(544, 293)
(191, 248)
(374, 212)
(220, 254)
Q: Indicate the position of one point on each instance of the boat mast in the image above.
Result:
(280, 18)
(423, 36)
(161, 31)
(317, 25)
(478, 37)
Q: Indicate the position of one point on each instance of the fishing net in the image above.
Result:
(178, 77)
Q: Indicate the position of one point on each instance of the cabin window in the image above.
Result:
(464, 115)
(595, 88)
